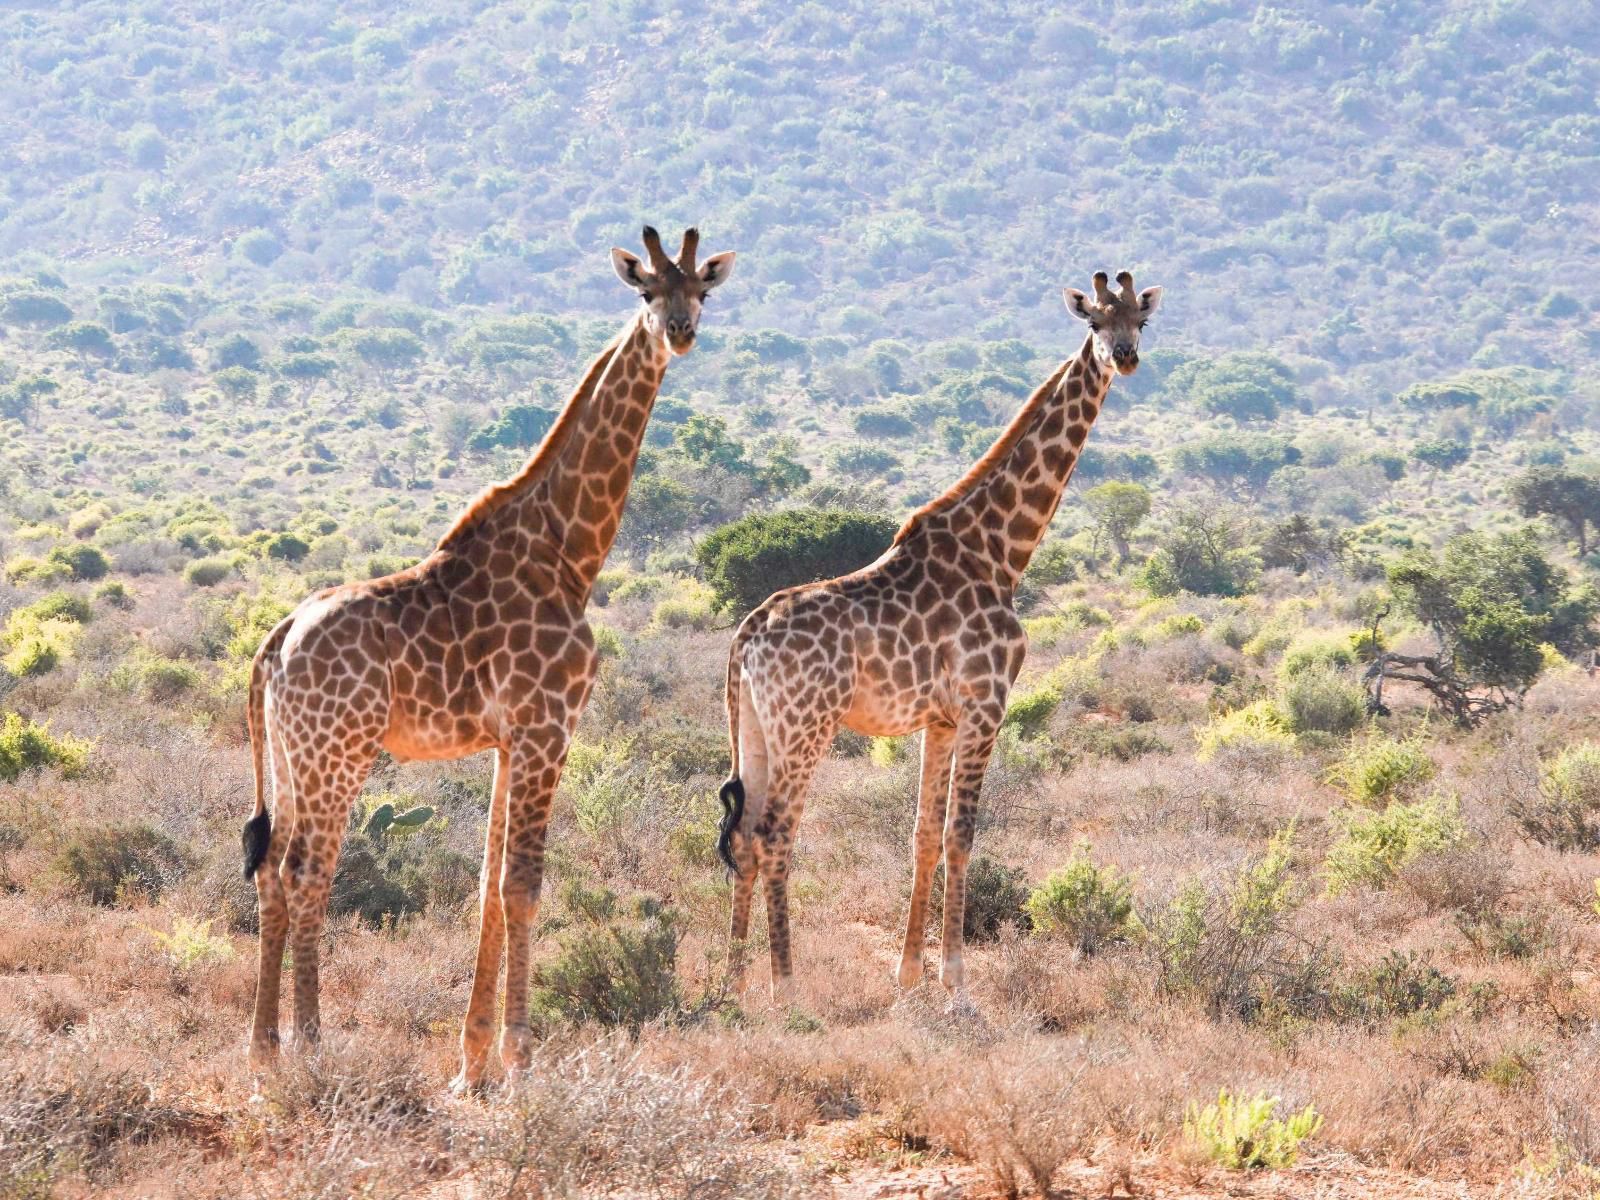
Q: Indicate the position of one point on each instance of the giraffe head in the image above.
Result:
(1115, 318)
(672, 292)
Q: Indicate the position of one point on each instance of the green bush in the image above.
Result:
(1380, 769)
(1375, 845)
(1029, 712)
(1565, 812)
(25, 746)
(1312, 650)
(1092, 906)
(747, 561)
(1401, 984)
(108, 864)
(996, 897)
(1322, 700)
(1261, 724)
(85, 563)
(372, 886)
(1243, 1134)
(616, 964)
(208, 572)
(287, 547)
(60, 606)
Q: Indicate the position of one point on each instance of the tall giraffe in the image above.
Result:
(924, 638)
(482, 644)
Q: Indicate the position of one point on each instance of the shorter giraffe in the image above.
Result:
(924, 638)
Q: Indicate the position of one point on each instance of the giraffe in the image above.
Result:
(483, 644)
(924, 638)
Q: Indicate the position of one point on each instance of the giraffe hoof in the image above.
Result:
(464, 1086)
(783, 992)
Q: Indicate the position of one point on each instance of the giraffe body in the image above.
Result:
(481, 645)
(924, 638)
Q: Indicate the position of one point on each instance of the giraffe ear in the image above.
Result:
(1077, 304)
(717, 268)
(628, 268)
(1149, 301)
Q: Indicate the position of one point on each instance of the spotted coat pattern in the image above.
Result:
(481, 645)
(924, 638)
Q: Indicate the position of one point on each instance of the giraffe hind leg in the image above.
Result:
(323, 797)
(739, 846)
(274, 913)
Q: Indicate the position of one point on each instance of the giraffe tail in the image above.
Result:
(732, 793)
(258, 829)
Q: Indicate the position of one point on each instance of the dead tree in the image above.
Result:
(1466, 703)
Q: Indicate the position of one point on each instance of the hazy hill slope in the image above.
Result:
(1396, 189)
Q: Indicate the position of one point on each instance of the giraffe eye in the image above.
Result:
(645, 296)
(1094, 326)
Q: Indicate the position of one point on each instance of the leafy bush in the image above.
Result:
(208, 572)
(1092, 906)
(1401, 984)
(25, 746)
(1565, 812)
(1322, 700)
(1309, 650)
(1029, 712)
(109, 864)
(191, 944)
(378, 888)
(59, 606)
(1204, 552)
(1261, 724)
(86, 563)
(1380, 769)
(747, 561)
(997, 896)
(616, 965)
(1243, 1134)
(1374, 846)
(287, 547)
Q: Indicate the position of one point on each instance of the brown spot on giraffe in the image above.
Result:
(930, 641)
(482, 644)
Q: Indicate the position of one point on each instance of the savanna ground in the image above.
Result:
(1431, 992)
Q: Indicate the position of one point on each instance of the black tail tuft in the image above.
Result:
(257, 836)
(732, 797)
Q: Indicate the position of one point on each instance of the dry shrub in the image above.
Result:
(586, 1121)
(1018, 1115)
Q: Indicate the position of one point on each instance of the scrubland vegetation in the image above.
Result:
(280, 291)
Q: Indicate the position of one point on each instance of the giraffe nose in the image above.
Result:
(1122, 350)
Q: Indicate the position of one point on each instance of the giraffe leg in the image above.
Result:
(322, 810)
(938, 745)
(974, 743)
(478, 1029)
(791, 778)
(535, 768)
(754, 774)
(274, 918)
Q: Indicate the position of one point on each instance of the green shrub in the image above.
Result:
(1093, 906)
(163, 679)
(86, 563)
(1374, 846)
(1565, 812)
(606, 784)
(1029, 712)
(1401, 984)
(1380, 768)
(1323, 700)
(191, 944)
(287, 547)
(27, 569)
(25, 746)
(616, 964)
(208, 572)
(996, 897)
(59, 606)
(1262, 724)
(1053, 563)
(373, 886)
(1179, 625)
(108, 864)
(1243, 1134)
(747, 561)
(682, 612)
(1316, 650)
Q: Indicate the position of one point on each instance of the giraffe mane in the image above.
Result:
(497, 495)
(1004, 445)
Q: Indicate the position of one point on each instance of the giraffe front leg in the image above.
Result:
(974, 743)
(535, 770)
(938, 744)
(477, 1030)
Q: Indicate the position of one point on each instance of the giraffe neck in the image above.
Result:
(565, 504)
(1001, 508)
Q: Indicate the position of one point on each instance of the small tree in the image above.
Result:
(1555, 491)
(1205, 551)
(1117, 509)
(747, 561)
(1242, 464)
(1441, 455)
(236, 350)
(1491, 603)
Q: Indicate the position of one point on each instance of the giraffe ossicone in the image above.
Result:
(481, 645)
(926, 638)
